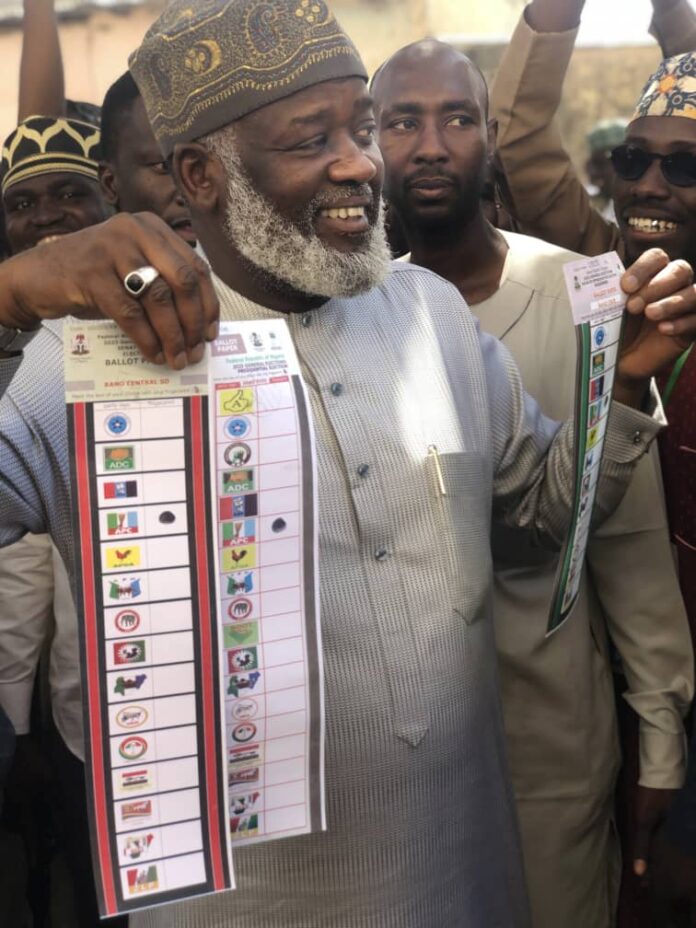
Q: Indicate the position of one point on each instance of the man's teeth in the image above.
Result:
(651, 225)
(344, 212)
(48, 239)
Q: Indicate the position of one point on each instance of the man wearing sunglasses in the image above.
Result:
(655, 200)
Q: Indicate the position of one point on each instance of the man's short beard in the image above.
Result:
(291, 255)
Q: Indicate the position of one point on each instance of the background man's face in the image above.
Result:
(314, 157)
(49, 205)
(652, 197)
(139, 180)
(434, 140)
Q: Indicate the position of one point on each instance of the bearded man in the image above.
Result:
(286, 205)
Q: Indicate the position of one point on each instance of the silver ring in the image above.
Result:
(137, 282)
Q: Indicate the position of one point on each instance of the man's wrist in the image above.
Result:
(631, 393)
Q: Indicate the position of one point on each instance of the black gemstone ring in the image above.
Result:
(137, 282)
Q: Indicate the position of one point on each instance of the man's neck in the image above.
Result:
(472, 257)
(233, 270)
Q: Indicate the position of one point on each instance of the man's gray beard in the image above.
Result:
(284, 253)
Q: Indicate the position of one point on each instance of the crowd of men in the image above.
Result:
(473, 783)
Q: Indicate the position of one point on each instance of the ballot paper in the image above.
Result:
(197, 591)
(598, 304)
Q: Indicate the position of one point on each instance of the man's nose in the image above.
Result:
(652, 185)
(354, 165)
(47, 212)
(430, 148)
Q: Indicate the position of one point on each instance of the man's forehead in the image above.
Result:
(49, 182)
(427, 67)
(321, 101)
(669, 132)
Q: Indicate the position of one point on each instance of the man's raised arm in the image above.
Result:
(674, 26)
(548, 198)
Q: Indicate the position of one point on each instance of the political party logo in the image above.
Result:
(136, 811)
(240, 400)
(244, 826)
(240, 583)
(131, 716)
(244, 776)
(117, 424)
(135, 847)
(242, 805)
(79, 345)
(134, 779)
(237, 507)
(125, 588)
(244, 709)
(599, 336)
(120, 489)
(237, 454)
(245, 731)
(122, 523)
(240, 532)
(598, 363)
(133, 747)
(127, 620)
(238, 558)
(594, 413)
(236, 427)
(240, 608)
(244, 633)
(596, 388)
(589, 460)
(129, 652)
(123, 557)
(244, 755)
(242, 659)
(142, 880)
(124, 684)
(119, 457)
(238, 481)
(242, 682)
(593, 437)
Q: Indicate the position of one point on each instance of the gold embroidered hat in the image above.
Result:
(49, 145)
(671, 91)
(205, 63)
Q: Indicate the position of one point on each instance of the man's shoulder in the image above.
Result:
(538, 265)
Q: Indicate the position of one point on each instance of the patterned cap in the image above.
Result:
(671, 91)
(205, 63)
(49, 145)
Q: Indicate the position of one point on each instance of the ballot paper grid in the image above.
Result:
(157, 805)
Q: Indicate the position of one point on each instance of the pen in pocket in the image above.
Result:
(434, 454)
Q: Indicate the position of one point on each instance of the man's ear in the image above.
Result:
(108, 184)
(199, 175)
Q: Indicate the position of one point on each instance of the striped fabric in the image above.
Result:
(421, 820)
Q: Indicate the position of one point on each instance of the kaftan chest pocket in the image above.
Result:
(463, 483)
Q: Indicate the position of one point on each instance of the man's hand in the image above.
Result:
(664, 6)
(82, 275)
(651, 806)
(661, 321)
(554, 15)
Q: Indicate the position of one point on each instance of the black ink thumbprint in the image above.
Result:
(279, 525)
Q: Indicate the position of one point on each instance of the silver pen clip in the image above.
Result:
(435, 455)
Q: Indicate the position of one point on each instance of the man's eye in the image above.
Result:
(403, 125)
(367, 133)
(460, 122)
(318, 141)
(67, 194)
(160, 167)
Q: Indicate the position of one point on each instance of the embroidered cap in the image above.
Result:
(49, 145)
(206, 63)
(671, 91)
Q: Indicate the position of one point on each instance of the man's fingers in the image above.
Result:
(641, 849)
(186, 275)
(668, 279)
(643, 270)
(130, 317)
(640, 867)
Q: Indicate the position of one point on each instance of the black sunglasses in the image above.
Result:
(631, 163)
